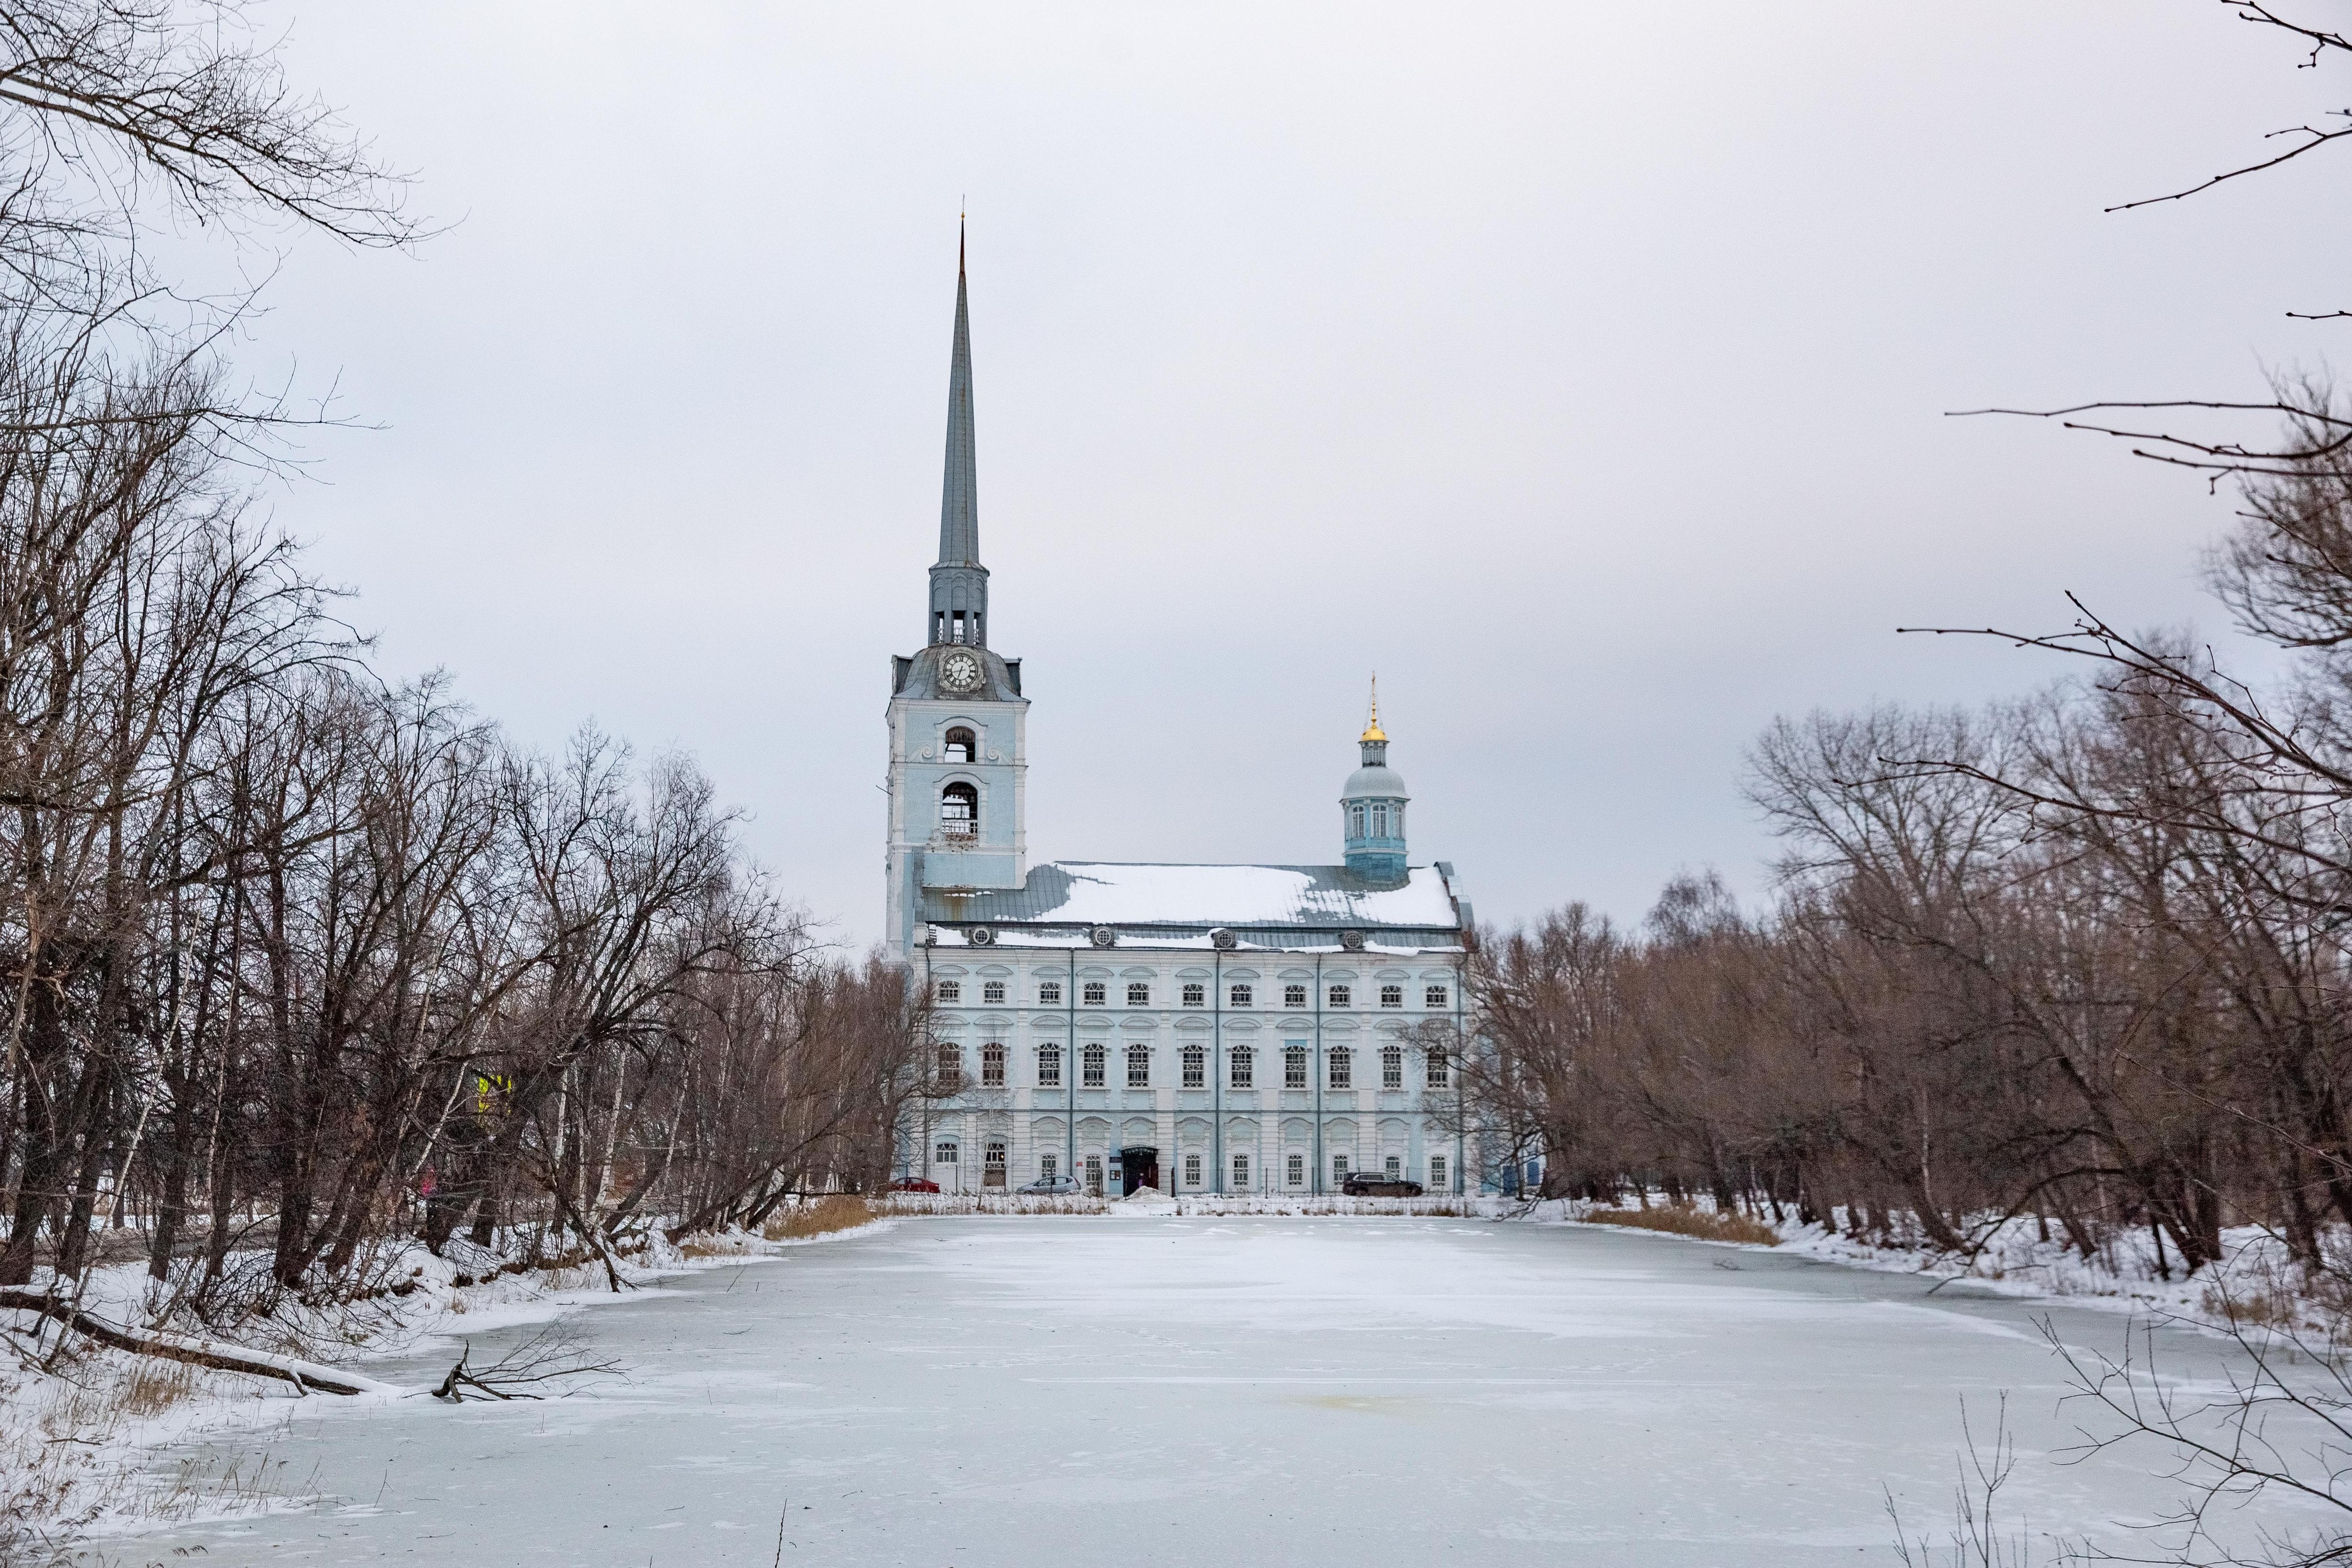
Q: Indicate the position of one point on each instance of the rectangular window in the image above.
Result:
(1341, 997)
(992, 1066)
(1435, 997)
(1138, 994)
(1294, 1171)
(1342, 1063)
(1437, 1173)
(949, 989)
(1091, 1062)
(1196, 994)
(1192, 1170)
(1339, 1169)
(1196, 1068)
(1379, 822)
(1094, 1175)
(1392, 1067)
(1049, 993)
(1294, 1066)
(1139, 1067)
(950, 1065)
(1049, 1165)
(1355, 822)
(991, 1164)
(1393, 1167)
(1244, 1067)
(993, 991)
(1241, 1172)
(1049, 1066)
(1391, 995)
(1436, 1073)
(943, 1154)
(1238, 996)
(1095, 995)
(1294, 996)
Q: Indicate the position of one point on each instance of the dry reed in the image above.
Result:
(1705, 1225)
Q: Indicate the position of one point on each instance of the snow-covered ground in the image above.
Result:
(1245, 1390)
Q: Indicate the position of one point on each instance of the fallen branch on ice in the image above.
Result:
(303, 1374)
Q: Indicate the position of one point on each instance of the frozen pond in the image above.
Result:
(979, 1391)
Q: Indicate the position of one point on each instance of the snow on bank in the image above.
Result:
(81, 1425)
(2256, 1281)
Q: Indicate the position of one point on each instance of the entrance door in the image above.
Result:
(1138, 1168)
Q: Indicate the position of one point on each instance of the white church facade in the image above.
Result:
(1206, 1030)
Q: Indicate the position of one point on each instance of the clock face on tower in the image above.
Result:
(960, 672)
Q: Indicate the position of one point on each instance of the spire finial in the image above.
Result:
(1372, 730)
(960, 222)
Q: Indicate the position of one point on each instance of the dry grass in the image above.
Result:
(823, 1217)
(1704, 1224)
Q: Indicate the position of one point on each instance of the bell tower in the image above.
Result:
(1371, 808)
(958, 722)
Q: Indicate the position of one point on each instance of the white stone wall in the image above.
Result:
(1267, 1122)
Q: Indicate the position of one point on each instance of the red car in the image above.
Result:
(912, 1184)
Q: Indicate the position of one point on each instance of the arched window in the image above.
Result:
(960, 810)
(950, 1066)
(1237, 997)
(1244, 1068)
(1196, 1070)
(1391, 995)
(1196, 994)
(1355, 822)
(1437, 1075)
(1138, 994)
(992, 1066)
(1294, 1067)
(1090, 1064)
(1392, 1067)
(1049, 1066)
(1381, 820)
(1342, 1062)
(1139, 1067)
(959, 745)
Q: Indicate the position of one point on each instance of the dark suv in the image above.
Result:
(1373, 1185)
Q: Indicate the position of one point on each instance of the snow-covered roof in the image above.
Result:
(1096, 892)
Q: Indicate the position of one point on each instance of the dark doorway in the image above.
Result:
(1138, 1168)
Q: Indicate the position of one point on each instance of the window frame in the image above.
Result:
(1241, 994)
(1393, 1070)
(1094, 1066)
(1049, 993)
(1195, 994)
(1340, 995)
(1049, 1062)
(1139, 1067)
(1294, 996)
(1094, 993)
(1193, 1064)
(1436, 999)
(949, 993)
(1241, 1067)
(1391, 995)
(1298, 1070)
(1139, 992)
(992, 993)
(992, 1065)
(1339, 1068)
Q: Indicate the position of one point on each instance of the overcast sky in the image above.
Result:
(1581, 368)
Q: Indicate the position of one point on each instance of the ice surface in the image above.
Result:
(1145, 1391)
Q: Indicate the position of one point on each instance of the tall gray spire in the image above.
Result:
(960, 583)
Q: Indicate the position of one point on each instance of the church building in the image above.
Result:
(1223, 1029)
